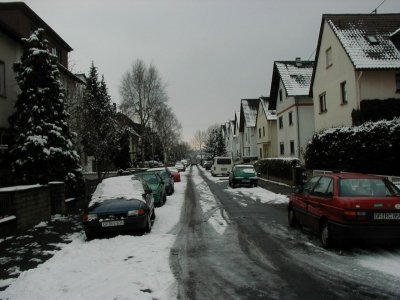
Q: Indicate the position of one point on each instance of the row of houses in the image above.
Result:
(17, 21)
(357, 59)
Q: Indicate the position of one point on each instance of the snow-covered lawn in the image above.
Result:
(123, 267)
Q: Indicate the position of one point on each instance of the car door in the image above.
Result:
(318, 201)
(300, 200)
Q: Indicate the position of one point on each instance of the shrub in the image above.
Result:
(375, 110)
(369, 148)
(276, 167)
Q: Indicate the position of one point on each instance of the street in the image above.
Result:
(208, 241)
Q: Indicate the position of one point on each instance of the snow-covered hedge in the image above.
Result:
(369, 148)
(374, 110)
(276, 167)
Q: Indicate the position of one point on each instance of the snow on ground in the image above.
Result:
(212, 209)
(123, 267)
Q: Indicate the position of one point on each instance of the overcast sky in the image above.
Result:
(210, 53)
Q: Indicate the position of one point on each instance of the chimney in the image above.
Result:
(298, 62)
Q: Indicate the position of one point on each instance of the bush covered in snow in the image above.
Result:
(276, 167)
(369, 148)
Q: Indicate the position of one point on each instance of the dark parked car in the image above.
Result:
(167, 177)
(121, 204)
(156, 184)
(343, 207)
(243, 175)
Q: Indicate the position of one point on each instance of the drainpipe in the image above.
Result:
(296, 101)
(359, 90)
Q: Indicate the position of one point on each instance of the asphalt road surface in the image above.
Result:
(259, 257)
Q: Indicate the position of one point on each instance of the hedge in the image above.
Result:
(368, 148)
(276, 167)
(375, 110)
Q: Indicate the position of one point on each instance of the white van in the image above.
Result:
(221, 166)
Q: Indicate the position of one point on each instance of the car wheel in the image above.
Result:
(153, 215)
(292, 220)
(256, 184)
(325, 235)
(164, 199)
(90, 236)
(148, 227)
(233, 185)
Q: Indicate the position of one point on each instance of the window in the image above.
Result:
(372, 39)
(259, 132)
(280, 96)
(290, 118)
(280, 122)
(260, 153)
(2, 79)
(398, 82)
(263, 131)
(343, 92)
(282, 148)
(292, 147)
(322, 103)
(328, 54)
(323, 187)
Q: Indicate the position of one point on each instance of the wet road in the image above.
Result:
(259, 257)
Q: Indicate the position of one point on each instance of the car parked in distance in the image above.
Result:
(221, 166)
(243, 175)
(180, 166)
(175, 173)
(156, 184)
(167, 178)
(122, 204)
(208, 164)
(343, 207)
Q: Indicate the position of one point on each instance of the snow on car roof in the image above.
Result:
(127, 187)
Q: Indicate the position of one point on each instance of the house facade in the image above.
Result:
(247, 128)
(356, 59)
(294, 107)
(266, 129)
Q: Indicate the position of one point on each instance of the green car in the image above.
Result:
(157, 185)
(243, 175)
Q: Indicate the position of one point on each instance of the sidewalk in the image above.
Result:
(275, 187)
(28, 249)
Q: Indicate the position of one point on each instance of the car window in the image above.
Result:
(309, 185)
(366, 187)
(224, 161)
(323, 187)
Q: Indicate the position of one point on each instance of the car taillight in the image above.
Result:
(136, 212)
(354, 215)
(89, 217)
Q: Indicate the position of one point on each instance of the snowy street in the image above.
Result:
(209, 241)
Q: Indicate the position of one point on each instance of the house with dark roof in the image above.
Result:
(247, 128)
(18, 21)
(289, 96)
(266, 129)
(357, 59)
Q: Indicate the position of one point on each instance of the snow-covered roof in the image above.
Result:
(271, 114)
(248, 113)
(367, 39)
(296, 76)
(127, 187)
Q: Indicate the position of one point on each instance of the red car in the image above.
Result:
(175, 174)
(342, 207)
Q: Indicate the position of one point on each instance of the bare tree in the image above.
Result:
(199, 140)
(167, 127)
(142, 91)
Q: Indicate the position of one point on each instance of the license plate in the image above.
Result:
(112, 223)
(246, 181)
(224, 169)
(387, 216)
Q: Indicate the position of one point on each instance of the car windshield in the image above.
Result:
(224, 161)
(366, 187)
(245, 170)
(150, 178)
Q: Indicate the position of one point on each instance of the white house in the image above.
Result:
(294, 108)
(247, 128)
(357, 58)
(266, 129)
(236, 141)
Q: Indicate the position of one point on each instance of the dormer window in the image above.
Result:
(372, 39)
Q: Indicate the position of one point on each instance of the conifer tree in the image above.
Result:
(40, 140)
(100, 133)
